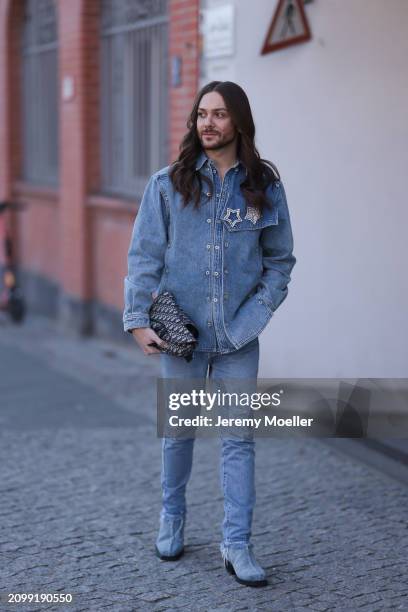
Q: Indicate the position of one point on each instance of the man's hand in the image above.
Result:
(144, 336)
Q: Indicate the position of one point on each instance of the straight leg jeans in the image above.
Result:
(237, 466)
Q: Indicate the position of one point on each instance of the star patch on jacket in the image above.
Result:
(237, 219)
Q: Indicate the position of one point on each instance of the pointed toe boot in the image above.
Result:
(240, 562)
(170, 539)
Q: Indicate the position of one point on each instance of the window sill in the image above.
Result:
(35, 192)
(112, 203)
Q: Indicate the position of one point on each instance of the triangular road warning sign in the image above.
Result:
(289, 26)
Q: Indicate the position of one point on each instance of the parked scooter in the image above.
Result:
(11, 296)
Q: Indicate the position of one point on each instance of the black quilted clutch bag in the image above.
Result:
(173, 326)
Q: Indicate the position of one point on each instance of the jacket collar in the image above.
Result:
(203, 158)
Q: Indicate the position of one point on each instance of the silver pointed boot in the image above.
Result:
(239, 561)
(170, 539)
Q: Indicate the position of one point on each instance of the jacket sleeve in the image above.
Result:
(278, 259)
(145, 256)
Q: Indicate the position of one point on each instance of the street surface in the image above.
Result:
(80, 498)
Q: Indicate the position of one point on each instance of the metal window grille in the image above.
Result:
(134, 51)
(39, 59)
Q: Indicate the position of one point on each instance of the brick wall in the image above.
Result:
(183, 42)
(75, 239)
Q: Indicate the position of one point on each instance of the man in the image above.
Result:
(213, 229)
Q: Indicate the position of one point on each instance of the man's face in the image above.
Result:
(214, 125)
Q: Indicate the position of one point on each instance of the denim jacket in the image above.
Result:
(227, 268)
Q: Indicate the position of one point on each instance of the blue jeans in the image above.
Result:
(237, 469)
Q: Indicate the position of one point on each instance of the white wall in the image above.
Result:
(333, 115)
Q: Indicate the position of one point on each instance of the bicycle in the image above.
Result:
(11, 296)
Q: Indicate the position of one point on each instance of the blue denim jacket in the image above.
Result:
(227, 269)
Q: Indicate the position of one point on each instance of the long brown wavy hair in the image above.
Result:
(260, 172)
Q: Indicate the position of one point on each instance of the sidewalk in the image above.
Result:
(80, 498)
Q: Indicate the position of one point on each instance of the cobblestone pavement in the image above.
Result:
(80, 498)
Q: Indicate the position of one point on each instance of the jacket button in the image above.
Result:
(208, 220)
(215, 273)
(209, 323)
(215, 299)
(207, 272)
(208, 246)
(216, 247)
(208, 194)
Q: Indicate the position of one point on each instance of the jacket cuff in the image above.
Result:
(262, 295)
(135, 321)
(272, 298)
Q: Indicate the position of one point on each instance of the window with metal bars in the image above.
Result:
(134, 65)
(39, 89)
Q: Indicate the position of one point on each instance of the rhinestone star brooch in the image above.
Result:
(252, 214)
